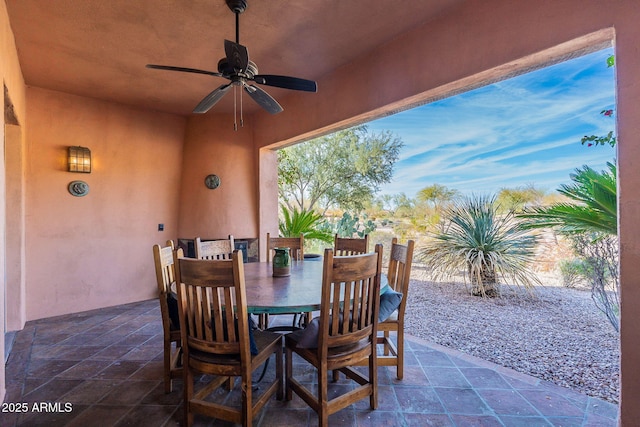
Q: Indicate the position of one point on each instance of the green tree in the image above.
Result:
(344, 169)
(432, 200)
(482, 244)
(516, 199)
(436, 195)
(403, 205)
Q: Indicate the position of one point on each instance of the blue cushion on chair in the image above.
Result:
(172, 304)
(252, 341)
(389, 302)
(308, 337)
(253, 347)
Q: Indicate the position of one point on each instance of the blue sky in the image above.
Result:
(521, 131)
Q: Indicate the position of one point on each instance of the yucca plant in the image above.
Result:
(307, 222)
(483, 244)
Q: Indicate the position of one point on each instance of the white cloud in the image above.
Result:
(516, 132)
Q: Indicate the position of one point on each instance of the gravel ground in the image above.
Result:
(557, 335)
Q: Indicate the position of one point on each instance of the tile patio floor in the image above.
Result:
(107, 364)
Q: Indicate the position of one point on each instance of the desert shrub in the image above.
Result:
(600, 252)
(574, 272)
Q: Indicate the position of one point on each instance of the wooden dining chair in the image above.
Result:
(398, 274)
(345, 333)
(216, 339)
(165, 276)
(343, 246)
(295, 244)
(214, 249)
(296, 251)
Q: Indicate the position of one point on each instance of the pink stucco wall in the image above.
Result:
(12, 79)
(211, 146)
(149, 168)
(95, 251)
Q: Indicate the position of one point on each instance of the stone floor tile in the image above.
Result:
(476, 421)
(419, 400)
(445, 377)
(551, 404)
(484, 378)
(462, 401)
(108, 364)
(507, 402)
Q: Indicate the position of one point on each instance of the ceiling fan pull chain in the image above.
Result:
(241, 117)
(235, 123)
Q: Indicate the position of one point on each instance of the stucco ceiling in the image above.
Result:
(98, 48)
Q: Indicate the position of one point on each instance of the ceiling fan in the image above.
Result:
(240, 71)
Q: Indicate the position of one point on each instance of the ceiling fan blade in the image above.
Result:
(286, 82)
(237, 55)
(182, 69)
(263, 99)
(211, 99)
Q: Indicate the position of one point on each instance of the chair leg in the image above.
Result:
(323, 395)
(229, 383)
(279, 374)
(263, 321)
(386, 347)
(373, 379)
(288, 372)
(247, 399)
(400, 355)
(167, 367)
(188, 393)
(308, 318)
(336, 375)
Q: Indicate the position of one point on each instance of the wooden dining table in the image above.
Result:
(300, 292)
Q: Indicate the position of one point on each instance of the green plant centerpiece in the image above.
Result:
(483, 245)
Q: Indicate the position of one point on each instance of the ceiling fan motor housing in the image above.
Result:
(228, 71)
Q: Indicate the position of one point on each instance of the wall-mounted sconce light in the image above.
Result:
(79, 159)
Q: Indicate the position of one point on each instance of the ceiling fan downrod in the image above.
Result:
(237, 7)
